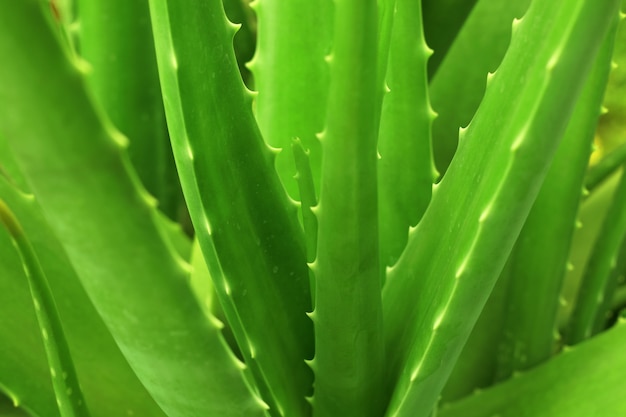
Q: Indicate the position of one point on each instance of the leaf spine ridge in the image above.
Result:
(217, 323)
(118, 137)
(188, 150)
(173, 60)
(81, 65)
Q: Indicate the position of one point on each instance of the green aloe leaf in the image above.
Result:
(456, 253)
(306, 186)
(107, 223)
(348, 315)
(67, 390)
(612, 123)
(240, 12)
(476, 365)
(591, 215)
(8, 409)
(459, 84)
(291, 76)
(443, 20)
(116, 35)
(539, 259)
(619, 298)
(405, 170)
(100, 365)
(592, 371)
(599, 281)
(605, 167)
(201, 282)
(238, 206)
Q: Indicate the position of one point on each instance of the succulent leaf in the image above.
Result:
(107, 224)
(459, 248)
(605, 167)
(115, 36)
(67, 390)
(443, 20)
(238, 206)
(598, 282)
(405, 169)
(100, 365)
(459, 83)
(348, 362)
(291, 76)
(555, 388)
(539, 259)
(308, 196)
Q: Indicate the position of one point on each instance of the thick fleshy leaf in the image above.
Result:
(456, 253)
(115, 36)
(7, 409)
(539, 258)
(107, 223)
(348, 362)
(406, 170)
(24, 371)
(290, 73)
(65, 384)
(239, 208)
(459, 84)
(443, 20)
(598, 281)
(586, 380)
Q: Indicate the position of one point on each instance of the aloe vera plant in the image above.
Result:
(374, 232)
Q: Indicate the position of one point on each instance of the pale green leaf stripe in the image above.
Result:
(238, 206)
(586, 380)
(291, 78)
(539, 258)
(69, 396)
(456, 253)
(116, 40)
(405, 170)
(599, 281)
(24, 371)
(200, 280)
(107, 225)
(347, 316)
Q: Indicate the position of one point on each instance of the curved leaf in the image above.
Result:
(107, 224)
